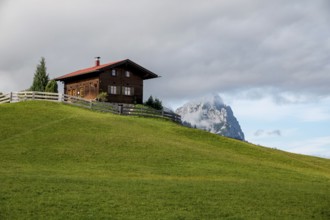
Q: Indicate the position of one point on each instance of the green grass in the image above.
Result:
(63, 162)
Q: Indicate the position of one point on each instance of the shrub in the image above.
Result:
(102, 97)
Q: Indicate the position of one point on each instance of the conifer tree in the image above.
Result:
(154, 103)
(51, 86)
(158, 104)
(41, 78)
(150, 101)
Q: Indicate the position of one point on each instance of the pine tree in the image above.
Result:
(150, 101)
(41, 78)
(158, 104)
(51, 86)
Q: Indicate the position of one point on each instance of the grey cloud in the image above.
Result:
(259, 133)
(275, 133)
(262, 132)
(198, 47)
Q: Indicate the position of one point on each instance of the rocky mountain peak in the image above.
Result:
(211, 114)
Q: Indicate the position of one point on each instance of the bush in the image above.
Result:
(102, 97)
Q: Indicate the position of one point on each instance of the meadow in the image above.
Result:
(63, 162)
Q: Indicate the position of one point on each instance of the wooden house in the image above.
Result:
(121, 80)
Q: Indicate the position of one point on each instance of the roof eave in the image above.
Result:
(151, 74)
(151, 77)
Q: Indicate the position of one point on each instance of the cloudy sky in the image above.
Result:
(268, 59)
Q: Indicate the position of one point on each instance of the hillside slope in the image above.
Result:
(60, 162)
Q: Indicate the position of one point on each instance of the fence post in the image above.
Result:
(10, 97)
(90, 104)
(60, 97)
(32, 95)
(120, 108)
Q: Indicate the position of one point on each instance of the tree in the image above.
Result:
(150, 101)
(41, 78)
(51, 86)
(156, 104)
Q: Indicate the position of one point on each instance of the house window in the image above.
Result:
(128, 91)
(112, 90)
(113, 72)
(127, 73)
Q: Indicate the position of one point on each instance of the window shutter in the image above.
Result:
(118, 90)
(132, 90)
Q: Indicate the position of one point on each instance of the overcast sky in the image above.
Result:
(268, 59)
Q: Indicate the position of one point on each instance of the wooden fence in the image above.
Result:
(148, 112)
(116, 108)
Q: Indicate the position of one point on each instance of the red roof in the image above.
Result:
(148, 74)
(88, 70)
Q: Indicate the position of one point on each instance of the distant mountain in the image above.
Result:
(212, 115)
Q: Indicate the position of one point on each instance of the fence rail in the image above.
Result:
(115, 108)
(4, 98)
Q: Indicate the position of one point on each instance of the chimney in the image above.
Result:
(97, 61)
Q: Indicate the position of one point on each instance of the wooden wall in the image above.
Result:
(120, 80)
(90, 85)
(86, 88)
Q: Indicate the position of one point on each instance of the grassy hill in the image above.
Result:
(63, 162)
